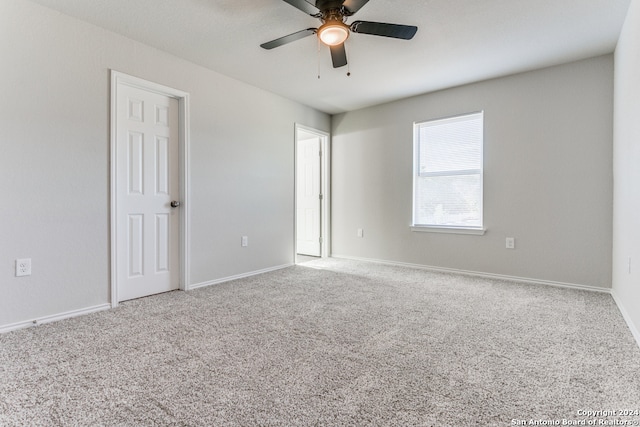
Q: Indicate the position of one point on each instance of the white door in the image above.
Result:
(308, 195)
(147, 181)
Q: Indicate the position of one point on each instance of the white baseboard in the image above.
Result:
(238, 276)
(53, 318)
(481, 274)
(634, 330)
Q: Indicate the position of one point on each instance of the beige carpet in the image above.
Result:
(329, 343)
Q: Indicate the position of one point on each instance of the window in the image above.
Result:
(447, 186)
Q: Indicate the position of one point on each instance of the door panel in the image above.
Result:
(162, 166)
(147, 180)
(136, 245)
(162, 245)
(135, 164)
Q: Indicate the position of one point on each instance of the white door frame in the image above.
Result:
(118, 78)
(325, 190)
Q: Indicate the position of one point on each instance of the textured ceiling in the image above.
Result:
(458, 42)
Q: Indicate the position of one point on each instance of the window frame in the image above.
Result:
(437, 228)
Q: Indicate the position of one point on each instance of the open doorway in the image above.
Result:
(311, 194)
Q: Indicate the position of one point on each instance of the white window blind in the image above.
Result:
(448, 172)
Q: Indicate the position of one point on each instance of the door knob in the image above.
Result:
(175, 203)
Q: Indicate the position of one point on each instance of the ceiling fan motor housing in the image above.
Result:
(327, 5)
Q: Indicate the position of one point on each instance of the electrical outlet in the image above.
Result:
(23, 267)
(510, 243)
(245, 241)
(360, 232)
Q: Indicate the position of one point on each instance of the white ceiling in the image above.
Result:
(458, 42)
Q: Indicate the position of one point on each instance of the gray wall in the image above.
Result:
(626, 222)
(54, 162)
(548, 177)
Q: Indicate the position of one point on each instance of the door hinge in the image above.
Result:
(320, 240)
(321, 197)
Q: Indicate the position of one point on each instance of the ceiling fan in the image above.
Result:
(334, 31)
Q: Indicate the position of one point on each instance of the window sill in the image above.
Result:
(449, 230)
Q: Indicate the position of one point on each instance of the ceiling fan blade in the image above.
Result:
(405, 32)
(338, 55)
(354, 5)
(304, 6)
(288, 39)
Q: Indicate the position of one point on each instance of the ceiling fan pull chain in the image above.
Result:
(318, 56)
(349, 68)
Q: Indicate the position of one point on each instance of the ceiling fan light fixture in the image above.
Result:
(333, 33)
